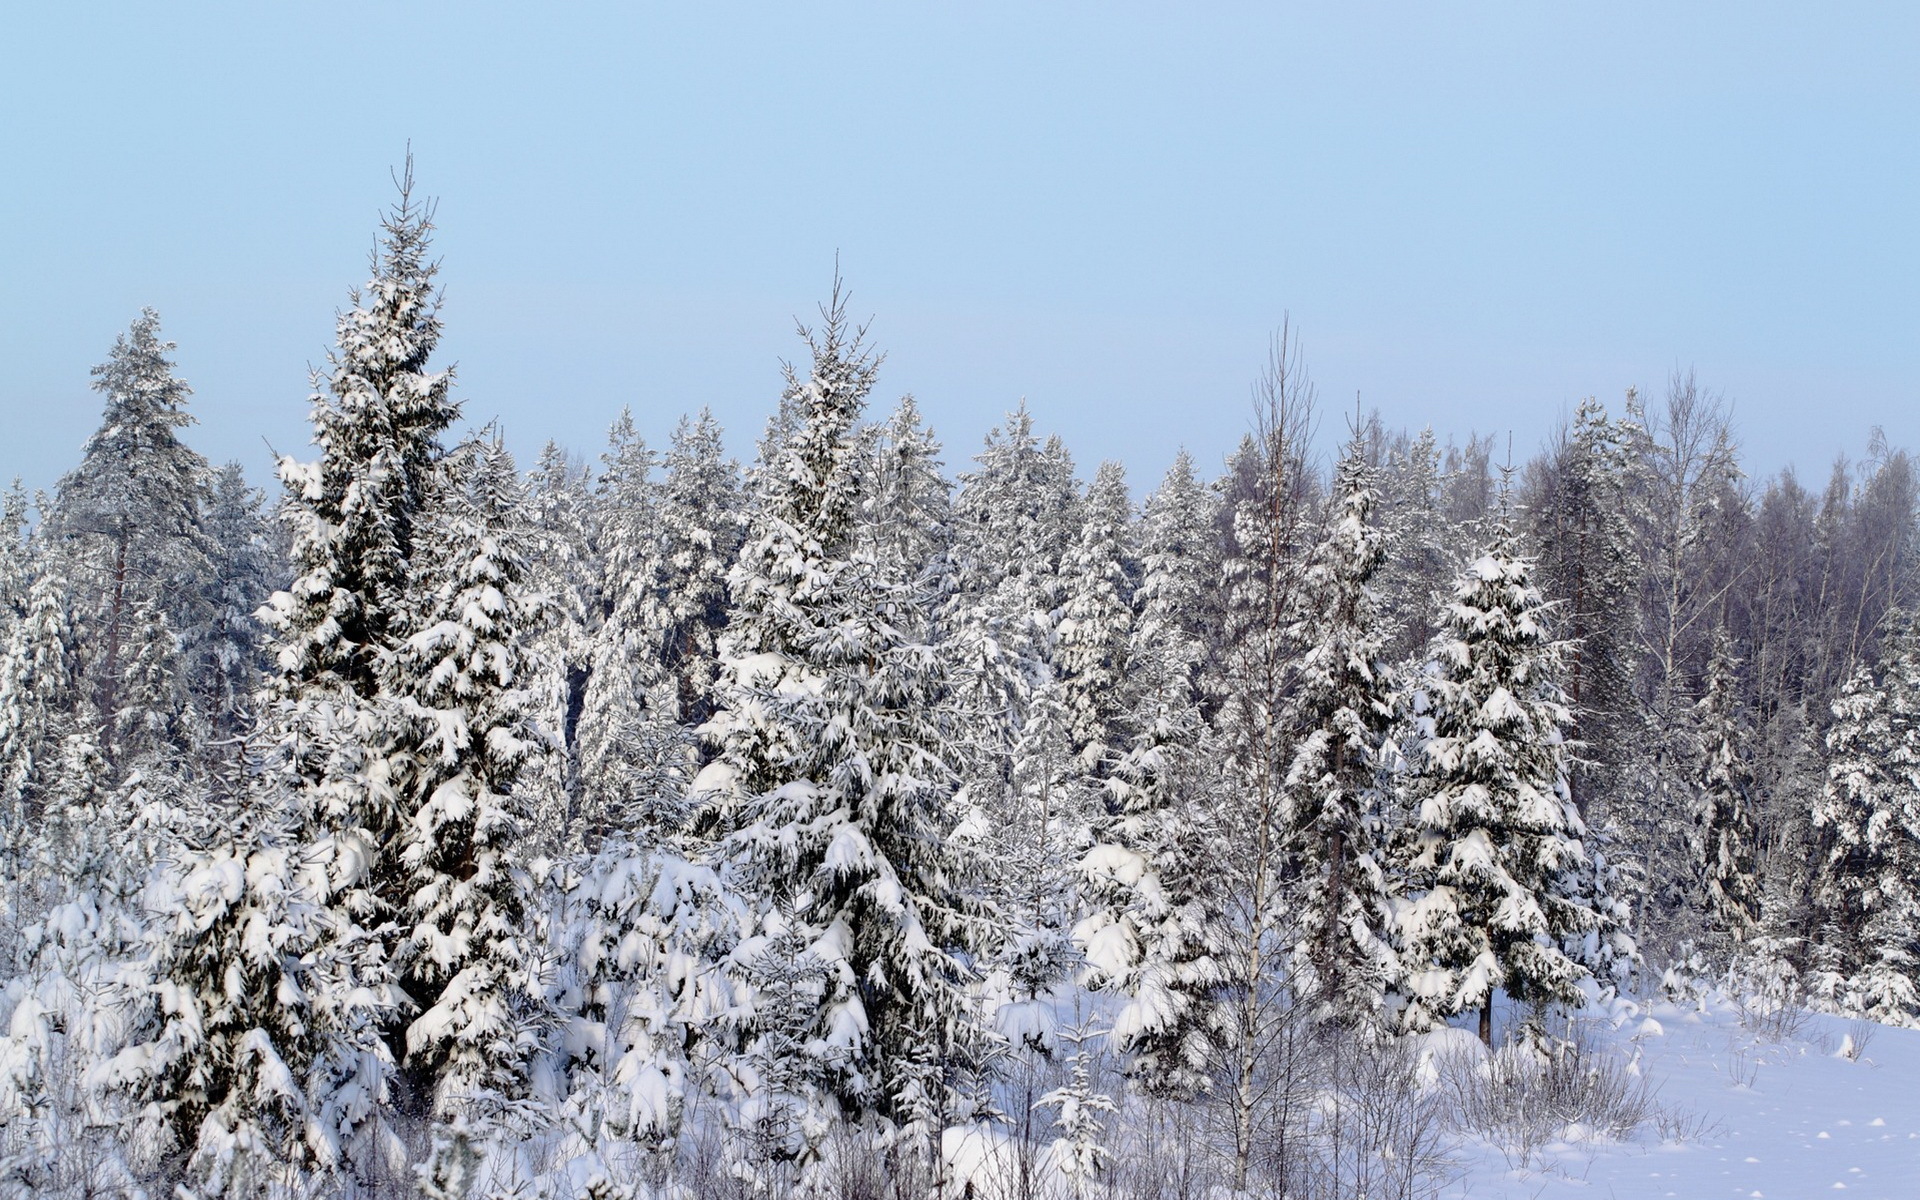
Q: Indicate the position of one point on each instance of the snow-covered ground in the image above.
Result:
(1784, 1116)
(1743, 1106)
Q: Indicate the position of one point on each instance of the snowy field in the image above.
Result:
(1783, 1113)
(1739, 1104)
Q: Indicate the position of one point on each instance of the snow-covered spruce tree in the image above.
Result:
(1425, 554)
(1498, 858)
(565, 579)
(128, 518)
(69, 913)
(355, 512)
(1062, 761)
(906, 509)
(1868, 935)
(1342, 708)
(1180, 560)
(1146, 932)
(464, 731)
(16, 560)
(225, 655)
(64, 1007)
(829, 774)
(1017, 519)
(634, 758)
(146, 727)
(645, 1000)
(355, 517)
(1090, 645)
(1081, 1111)
(1581, 507)
(699, 505)
(1729, 878)
(48, 761)
(227, 1018)
(786, 1112)
(1041, 831)
(39, 696)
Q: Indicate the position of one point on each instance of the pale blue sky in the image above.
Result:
(1475, 213)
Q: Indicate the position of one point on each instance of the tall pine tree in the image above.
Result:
(358, 516)
(1498, 856)
(829, 771)
(1868, 933)
(700, 523)
(1724, 823)
(1146, 932)
(633, 755)
(1343, 706)
(128, 518)
(465, 731)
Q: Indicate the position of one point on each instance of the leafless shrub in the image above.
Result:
(861, 1162)
(1676, 1125)
(1742, 1067)
(1376, 1133)
(1339, 1117)
(1859, 1035)
(1521, 1098)
(1330, 1116)
(1774, 1016)
(1167, 1153)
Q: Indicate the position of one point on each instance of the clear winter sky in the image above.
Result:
(1475, 213)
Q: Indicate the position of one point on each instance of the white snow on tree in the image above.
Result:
(1081, 1112)
(38, 697)
(356, 518)
(1091, 639)
(1028, 806)
(785, 1113)
(462, 719)
(1342, 708)
(1145, 932)
(1425, 551)
(1724, 827)
(224, 652)
(634, 758)
(128, 522)
(228, 1015)
(1498, 856)
(15, 559)
(906, 506)
(1014, 522)
(1039, 834)
(77, 863)
(564, 578)
(355, 515)
(828, 774)
(647, 1005)
(1868, 816)
(699, 508)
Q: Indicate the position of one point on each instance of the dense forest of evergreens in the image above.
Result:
(659, 827)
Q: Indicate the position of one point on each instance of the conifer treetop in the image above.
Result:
(378, 414)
